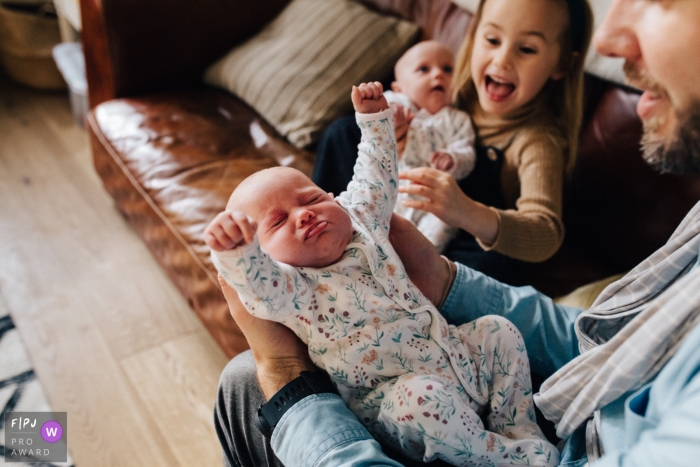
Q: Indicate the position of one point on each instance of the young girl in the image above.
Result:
(519, 74)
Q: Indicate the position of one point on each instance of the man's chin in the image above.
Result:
(680, 152)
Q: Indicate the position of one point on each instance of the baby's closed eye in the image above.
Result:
(277, 221)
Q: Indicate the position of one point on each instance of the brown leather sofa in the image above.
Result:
(171, 150)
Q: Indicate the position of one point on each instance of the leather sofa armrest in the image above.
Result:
(136, 46)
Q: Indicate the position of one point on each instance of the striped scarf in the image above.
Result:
(631, 331)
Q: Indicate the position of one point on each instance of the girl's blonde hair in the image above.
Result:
(566, 94)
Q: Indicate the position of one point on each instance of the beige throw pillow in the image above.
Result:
(298, 71)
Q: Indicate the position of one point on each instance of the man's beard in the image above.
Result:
(679, 153)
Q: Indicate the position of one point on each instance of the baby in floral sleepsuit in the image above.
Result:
(324, 267)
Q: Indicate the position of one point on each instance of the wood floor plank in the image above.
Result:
(108, 424)
(75, 212)
(183, 370)
(91, 304)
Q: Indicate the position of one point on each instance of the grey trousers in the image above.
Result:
(235, 413)
(236, 410)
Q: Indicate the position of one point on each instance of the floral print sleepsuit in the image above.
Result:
(417, 383)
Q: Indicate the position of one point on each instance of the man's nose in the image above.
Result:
(615, 37)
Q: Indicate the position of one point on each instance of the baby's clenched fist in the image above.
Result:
(229, 230)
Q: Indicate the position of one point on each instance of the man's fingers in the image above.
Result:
(229, 293)
(279, 354)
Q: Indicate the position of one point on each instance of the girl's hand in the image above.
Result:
(228, 230)
(368, 98)
(444, 197)
(446, 200)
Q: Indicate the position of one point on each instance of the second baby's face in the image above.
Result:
(424, 74)
(298, 223)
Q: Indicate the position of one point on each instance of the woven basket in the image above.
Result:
(27, 36)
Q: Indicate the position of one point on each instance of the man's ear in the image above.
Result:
(395, 86)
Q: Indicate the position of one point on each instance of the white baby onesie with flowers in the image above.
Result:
(416, 382)
(449, 130)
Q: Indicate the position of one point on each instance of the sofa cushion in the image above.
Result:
(298, 71)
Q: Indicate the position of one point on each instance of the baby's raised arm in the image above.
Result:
(368, 98)
(375, 180)
(229, 230)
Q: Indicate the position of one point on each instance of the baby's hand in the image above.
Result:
(229, 230)
(368, 98)
(441, 161)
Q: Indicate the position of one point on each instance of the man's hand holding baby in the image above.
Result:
(228, 230)
(368, 98)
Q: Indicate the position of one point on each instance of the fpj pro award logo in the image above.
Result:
(36, 437)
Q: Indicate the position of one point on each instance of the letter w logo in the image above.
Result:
(51, 432)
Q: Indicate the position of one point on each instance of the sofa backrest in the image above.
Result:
(136, 46)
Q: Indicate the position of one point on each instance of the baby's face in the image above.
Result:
(424, 74)
(298, 223)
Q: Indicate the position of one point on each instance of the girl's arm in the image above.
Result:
(532, 232)
(446, 200)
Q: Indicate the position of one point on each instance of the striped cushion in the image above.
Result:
(298, 71)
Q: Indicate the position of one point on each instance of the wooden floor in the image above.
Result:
(111, 339)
